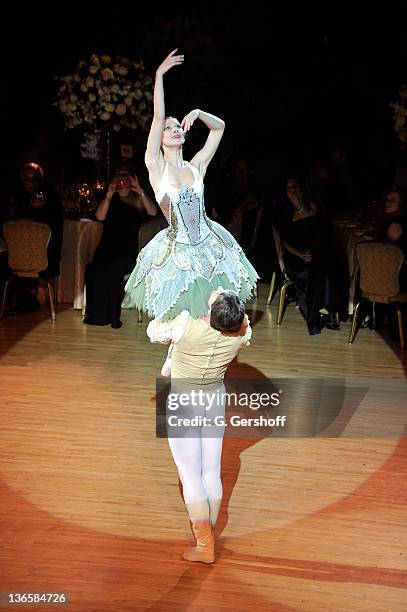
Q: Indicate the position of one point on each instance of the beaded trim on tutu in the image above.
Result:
(171, 276)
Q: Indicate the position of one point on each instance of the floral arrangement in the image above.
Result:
(107, 92)
(400, 115)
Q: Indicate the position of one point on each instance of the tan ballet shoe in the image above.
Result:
(204, 550)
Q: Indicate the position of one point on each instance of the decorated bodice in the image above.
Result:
(184, 208)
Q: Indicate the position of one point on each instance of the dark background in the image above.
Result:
(292, 83)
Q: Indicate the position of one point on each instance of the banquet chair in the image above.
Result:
(286, 280)
(379, 267)
(27, 243)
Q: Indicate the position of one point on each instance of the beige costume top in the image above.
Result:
(200, 352)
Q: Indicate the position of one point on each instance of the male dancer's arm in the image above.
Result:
(246, 333)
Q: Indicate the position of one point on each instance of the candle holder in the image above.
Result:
(84, 198)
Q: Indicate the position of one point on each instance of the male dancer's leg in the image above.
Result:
(212, 441)
(211, 464)
(187, 454)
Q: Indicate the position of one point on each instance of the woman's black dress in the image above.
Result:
(323, 282)
(114, 258)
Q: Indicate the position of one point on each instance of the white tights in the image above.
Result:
(198, 461)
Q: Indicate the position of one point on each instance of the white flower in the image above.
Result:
(106, 90)
(121, 109)
(106, 74)
(122, 70)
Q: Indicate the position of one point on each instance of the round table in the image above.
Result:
(80, 239)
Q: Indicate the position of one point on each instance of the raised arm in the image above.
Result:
(103, 208)
(153, 156)
(216, 128)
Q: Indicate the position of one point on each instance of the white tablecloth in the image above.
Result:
(79, 242)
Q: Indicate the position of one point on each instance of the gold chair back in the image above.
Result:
(27, 243)
(380, 264)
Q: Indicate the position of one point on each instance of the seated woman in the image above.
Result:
(394, 229)
(123, 209)
(319, 278)
(395, 210)
(37, 200)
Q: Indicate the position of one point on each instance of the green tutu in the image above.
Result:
(172, 276)
(195, 298)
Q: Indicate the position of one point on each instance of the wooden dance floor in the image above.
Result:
(90, 503)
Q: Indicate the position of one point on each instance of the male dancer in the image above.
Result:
(202, 350)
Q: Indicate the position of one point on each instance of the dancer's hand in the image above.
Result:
(189, 119)
(170, 61)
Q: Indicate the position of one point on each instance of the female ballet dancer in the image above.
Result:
(182, 264)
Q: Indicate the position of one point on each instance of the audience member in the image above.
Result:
(318, 277)
(39, 201)
(122, 211)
